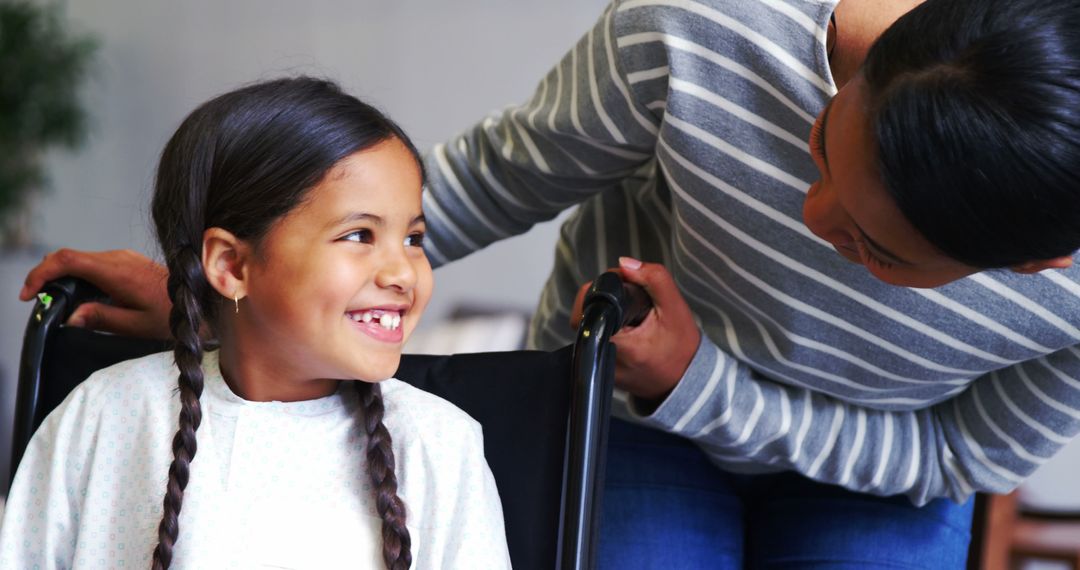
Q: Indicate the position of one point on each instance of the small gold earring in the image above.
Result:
(237, 301)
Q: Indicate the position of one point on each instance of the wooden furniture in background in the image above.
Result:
(1005, 535)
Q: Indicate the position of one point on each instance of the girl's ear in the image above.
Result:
(225, 261)
(1063, 262)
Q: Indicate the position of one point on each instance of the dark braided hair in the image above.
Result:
(380, 465)
(975, 106)
(240, 162)
(184, 321)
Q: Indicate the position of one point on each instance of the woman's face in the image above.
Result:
(850, 208)
(338, 284)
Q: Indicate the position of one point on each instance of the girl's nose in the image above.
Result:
(396, 271)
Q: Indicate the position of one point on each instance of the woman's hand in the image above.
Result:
(140, 304)
(653, 356)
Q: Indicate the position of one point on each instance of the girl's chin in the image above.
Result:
(375, 372)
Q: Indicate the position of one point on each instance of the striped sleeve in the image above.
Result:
(582, 132)
(989, 437)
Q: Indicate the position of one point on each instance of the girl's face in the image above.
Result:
(850, 208)
(337, 285)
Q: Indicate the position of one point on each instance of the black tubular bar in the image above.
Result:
(590, 402)
(609, 305)
(45, 317)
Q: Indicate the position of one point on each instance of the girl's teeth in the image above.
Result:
(388, 321)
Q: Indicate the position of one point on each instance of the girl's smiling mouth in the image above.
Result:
(381, 323)
(389, 320)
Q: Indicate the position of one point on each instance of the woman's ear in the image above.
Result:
(225, 261)
(1063, 262)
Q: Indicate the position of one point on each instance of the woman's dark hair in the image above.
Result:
(975, 105)
(240, 162)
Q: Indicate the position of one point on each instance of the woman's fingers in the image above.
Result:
(117, 320)
(652, 356)
(655, 354)
(134, 283)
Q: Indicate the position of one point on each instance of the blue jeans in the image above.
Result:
(665, 506)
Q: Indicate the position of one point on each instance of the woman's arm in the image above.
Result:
(582, 132)
(989, 437)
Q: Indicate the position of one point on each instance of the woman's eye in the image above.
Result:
(415, 239)
(815, 139)
(870, 257)
(359, 236)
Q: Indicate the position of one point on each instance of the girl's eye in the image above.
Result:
(415, 239)
(358, 236)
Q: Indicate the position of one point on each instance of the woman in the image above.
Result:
(808, 385)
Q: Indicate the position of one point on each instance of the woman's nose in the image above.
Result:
(824, 215)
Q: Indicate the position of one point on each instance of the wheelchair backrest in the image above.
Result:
(520, 398)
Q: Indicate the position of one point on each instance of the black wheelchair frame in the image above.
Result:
(551, 488)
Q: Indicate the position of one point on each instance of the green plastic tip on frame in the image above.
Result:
(46, 299)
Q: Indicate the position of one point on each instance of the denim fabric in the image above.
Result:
(667, 507)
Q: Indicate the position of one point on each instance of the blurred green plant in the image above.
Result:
(41, 68)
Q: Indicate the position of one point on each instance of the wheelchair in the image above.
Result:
(544, 414)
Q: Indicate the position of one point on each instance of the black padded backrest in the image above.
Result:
(71, 355)
(520, 398)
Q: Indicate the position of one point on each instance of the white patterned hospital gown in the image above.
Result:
(273, 485)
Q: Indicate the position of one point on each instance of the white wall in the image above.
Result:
(436, 67)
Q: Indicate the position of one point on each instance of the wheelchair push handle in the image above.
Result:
(61, 297)
(630, 301)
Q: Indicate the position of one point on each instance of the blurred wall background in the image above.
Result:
(436, 67)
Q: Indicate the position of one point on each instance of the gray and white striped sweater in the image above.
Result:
(680, 127)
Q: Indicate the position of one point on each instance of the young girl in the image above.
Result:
(289, 215)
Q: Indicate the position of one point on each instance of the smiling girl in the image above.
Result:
(289, 216)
